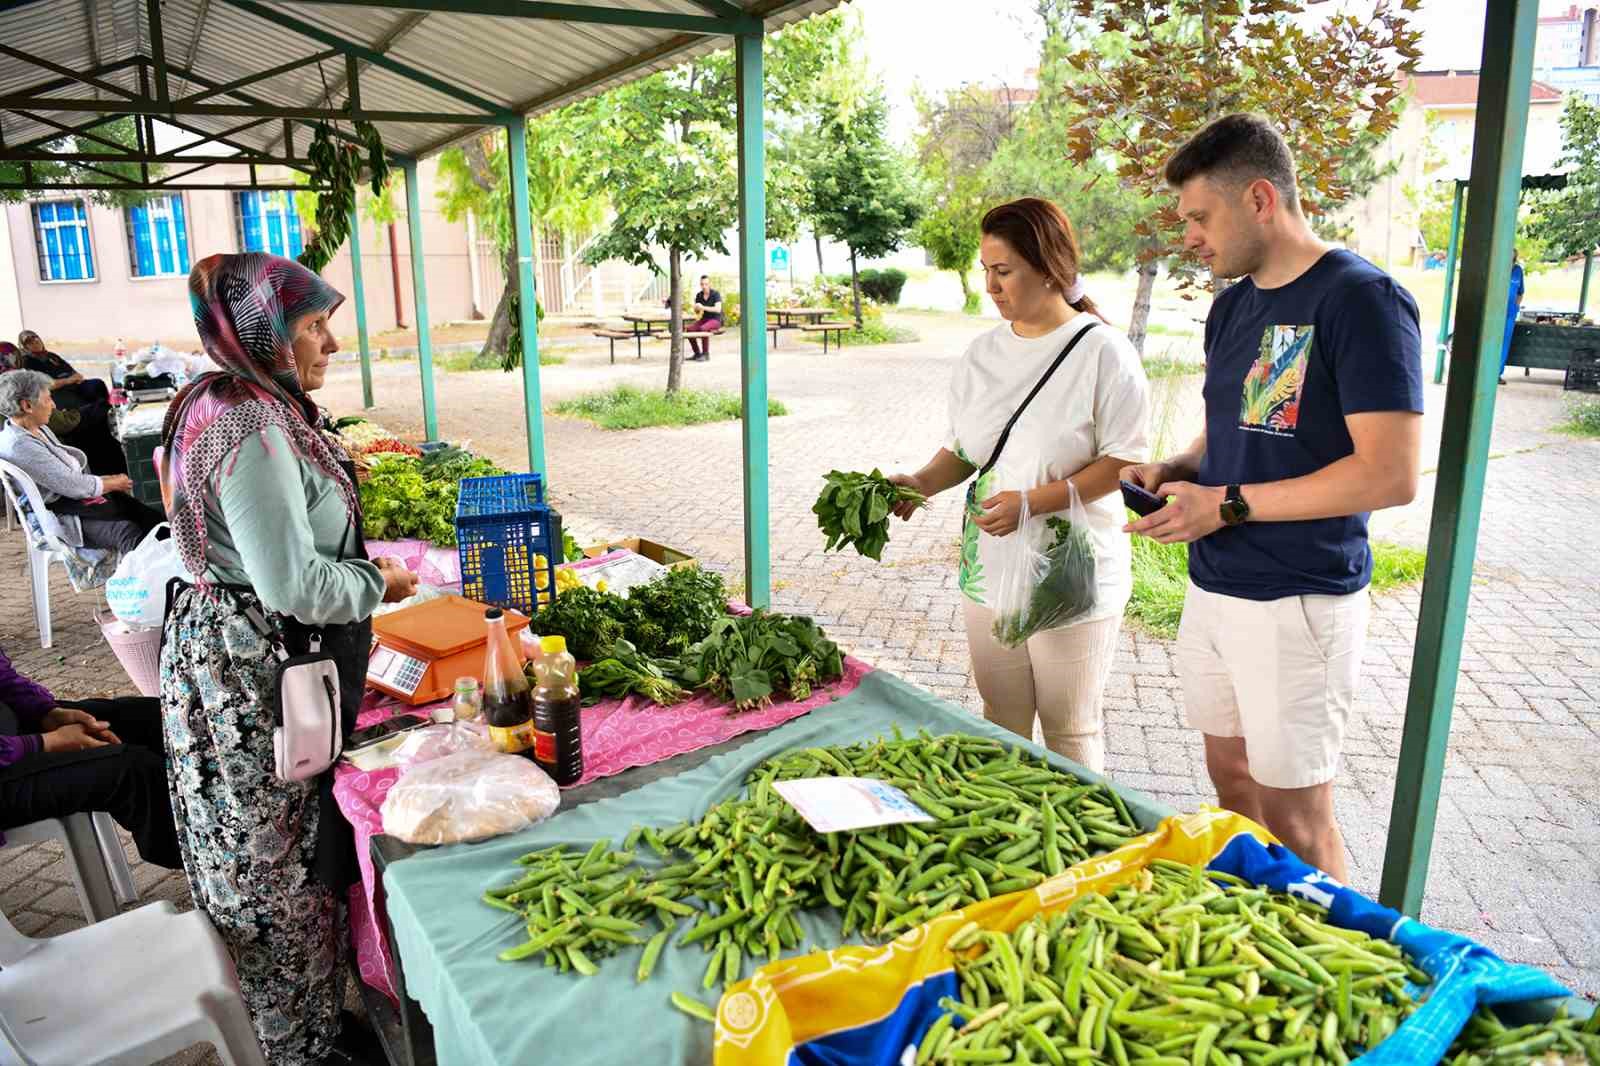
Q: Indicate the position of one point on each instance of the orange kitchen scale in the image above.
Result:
(420, 651)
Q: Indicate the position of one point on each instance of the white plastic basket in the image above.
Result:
(137, 649)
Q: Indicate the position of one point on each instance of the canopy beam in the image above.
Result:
(705, 25)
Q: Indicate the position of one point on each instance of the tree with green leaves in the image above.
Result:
(1151, 73)
(119, 134)
(863, 192)
(950, 234)
(1567, 221)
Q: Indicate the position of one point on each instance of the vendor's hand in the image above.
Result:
(65, 716)
(1001, 513)
(398, 582)
(74, 737)
(906, 508)
(1192, 512)
(117, 483)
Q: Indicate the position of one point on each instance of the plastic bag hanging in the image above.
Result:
(1045, 572)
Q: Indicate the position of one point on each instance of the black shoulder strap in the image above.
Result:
(1005, 433)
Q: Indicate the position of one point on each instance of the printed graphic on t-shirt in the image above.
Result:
(1272, 387)
(970, 576)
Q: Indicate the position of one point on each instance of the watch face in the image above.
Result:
(1234, 512)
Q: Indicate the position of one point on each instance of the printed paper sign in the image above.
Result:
(832, 804)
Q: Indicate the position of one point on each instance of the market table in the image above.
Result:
(1553, 347)
(484, 1011)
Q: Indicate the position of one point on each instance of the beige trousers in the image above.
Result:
(1058, 676)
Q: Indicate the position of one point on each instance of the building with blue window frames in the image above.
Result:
(268, 222)
(61, 233)
(158, 238)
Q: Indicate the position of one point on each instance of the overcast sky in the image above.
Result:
(941, 44)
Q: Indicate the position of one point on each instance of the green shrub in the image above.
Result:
(1583, 416)
(884, 286)
(627, 407)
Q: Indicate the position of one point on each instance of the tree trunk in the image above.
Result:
(1140, 322)
(818, 238)
(966, 289)
(505, 335)
(855, 286)
(675, 352)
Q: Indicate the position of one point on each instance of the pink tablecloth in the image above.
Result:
(617, 735)
(433, 565)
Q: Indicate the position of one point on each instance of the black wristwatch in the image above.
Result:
(1234, 510)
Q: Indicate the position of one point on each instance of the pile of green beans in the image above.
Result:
(1487, 1041)
(737, 880)
(1183, 967)
(1188, 967)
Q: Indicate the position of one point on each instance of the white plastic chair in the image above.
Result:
(159, 982)
(87, 568)
(92, 851)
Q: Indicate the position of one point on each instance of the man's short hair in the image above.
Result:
(705, 277)
(1236, 150)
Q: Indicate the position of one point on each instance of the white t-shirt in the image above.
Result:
(1097, 404)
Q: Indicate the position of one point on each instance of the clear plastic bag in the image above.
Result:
(471, 795)
(436, 741)
(1045, 572)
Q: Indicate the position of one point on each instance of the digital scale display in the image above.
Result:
(396, 670)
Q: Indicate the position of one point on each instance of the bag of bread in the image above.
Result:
(470, 795)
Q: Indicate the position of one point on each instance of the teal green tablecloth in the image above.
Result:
(484, 1011)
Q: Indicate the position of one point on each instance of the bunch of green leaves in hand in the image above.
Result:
(676, 609)
(1063, 590)
(751, 659)
(854, 509)
(592, 621)
(626, 670)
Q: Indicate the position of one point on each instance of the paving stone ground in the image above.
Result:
(1516, 858)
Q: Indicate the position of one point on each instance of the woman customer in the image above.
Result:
(1086, 420)
(88, 398)
(265, 514)
(94, 511)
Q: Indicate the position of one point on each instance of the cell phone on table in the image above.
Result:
(1140, 501)
(372, 734)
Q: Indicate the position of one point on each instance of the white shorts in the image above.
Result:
(1281, 673)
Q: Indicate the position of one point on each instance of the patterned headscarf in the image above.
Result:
(243, 306)
(10, 356)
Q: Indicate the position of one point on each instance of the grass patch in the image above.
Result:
(627, 407)
(1583, 417)
(455, 362)
(1161, 576)
(1165, 367)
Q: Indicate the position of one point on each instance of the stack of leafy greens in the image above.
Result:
(753, 658)
(407, 496)
(1063, 591)
(854, 509)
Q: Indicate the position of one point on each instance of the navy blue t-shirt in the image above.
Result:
(1284, 367)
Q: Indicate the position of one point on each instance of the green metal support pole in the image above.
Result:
(357, 283)
(522, 219)
(1449, 280)
(1497, 142)
(1583, 293)
(419, 281)
(753, 316)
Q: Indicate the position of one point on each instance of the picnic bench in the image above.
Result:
(828, 329)
(639, 336)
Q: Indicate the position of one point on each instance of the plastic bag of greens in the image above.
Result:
(1045, 571)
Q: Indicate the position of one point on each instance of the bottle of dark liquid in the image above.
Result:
(505, 690)
(557, 731)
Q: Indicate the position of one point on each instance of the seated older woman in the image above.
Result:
(87, 398)
(95, 511)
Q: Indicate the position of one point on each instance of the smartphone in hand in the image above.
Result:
(1140, 501)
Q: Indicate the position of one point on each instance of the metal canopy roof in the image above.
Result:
(251, 73)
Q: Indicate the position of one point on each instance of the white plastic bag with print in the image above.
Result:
(1045, 572)
(137, 592)
(473, 794)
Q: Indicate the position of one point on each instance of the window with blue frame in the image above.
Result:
(61, 233)
(268, 222)
(158, 238)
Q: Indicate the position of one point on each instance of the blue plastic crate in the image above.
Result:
(503, 529)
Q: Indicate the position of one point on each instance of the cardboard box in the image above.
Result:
(671, 558)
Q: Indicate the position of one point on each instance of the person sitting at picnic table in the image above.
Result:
(94, 511)
(87, 397)
(62, 757)
(708, 302)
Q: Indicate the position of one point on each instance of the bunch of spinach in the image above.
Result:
(751, 659)
(678, 608)
(592, 621)
(1063, 589)
(452, 464)
(398, 502)
(854, 509)
(626, 670)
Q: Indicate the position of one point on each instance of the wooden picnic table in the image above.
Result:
(644, 322)
(787, 315)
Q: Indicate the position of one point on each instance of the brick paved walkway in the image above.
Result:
(1518, 842)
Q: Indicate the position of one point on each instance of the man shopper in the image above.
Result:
(1313, 396)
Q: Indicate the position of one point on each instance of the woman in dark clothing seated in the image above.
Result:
(88, 397)
(65, 757)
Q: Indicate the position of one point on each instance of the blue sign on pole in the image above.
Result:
(777, 259)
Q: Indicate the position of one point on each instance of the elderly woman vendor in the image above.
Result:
(94, 511)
